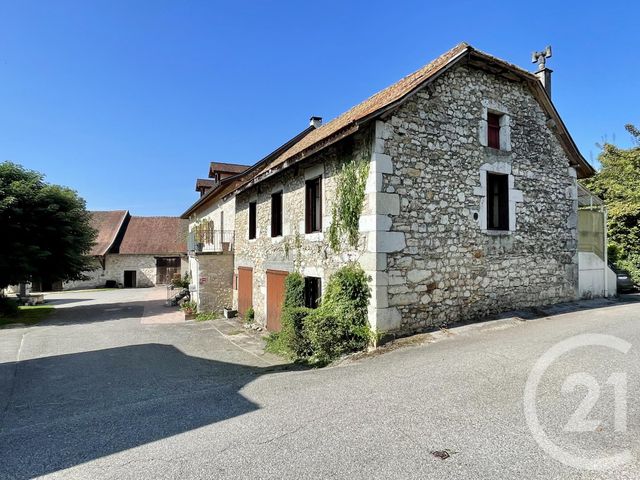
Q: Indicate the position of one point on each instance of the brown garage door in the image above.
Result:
(275, 297)
(166, 268)
(245, 289)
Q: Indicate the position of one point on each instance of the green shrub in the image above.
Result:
(178, 282)
(189, 307)
(8, 307)
(293, 339)
(340, 324)
(249, 315)
(293, 291)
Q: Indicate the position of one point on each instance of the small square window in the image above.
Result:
(276, 214)
(313, 205)
(252, 220)
(312, 291)
(493, 130)
(497, 201)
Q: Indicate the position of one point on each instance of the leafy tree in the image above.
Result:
(45, 229)
(618, 183)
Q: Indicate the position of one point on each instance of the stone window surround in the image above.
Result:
(278, 187)
(515, 196)
(310, 173)
(492, 106)
(253, 198)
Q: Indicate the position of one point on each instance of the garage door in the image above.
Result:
(166, 269)
(275, 297)
(245, 289)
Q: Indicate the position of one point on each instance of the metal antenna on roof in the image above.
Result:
(541, 57)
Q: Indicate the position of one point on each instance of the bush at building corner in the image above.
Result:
(339, 325)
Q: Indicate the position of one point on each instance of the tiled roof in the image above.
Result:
(229, 184)
(226, 167)
(108, 224)
(154, 236)
(205, 183)
(380, 100)
(347, 123)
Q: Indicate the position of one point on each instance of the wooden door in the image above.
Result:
(166, 268)
(275, 297)
(245, 289)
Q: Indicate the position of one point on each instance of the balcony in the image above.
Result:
(204, 240)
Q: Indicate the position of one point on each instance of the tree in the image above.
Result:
(45, 229)
(618, 184)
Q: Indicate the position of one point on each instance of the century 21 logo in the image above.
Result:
(578, 421)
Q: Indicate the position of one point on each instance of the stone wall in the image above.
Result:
(310, 254)
(115, 265)
(452, 267)
(424, 238)
(215, 281)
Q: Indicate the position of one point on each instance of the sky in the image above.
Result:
(127, 102)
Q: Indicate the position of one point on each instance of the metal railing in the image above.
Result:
(206, 240)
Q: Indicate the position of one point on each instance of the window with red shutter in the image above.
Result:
(493, 130)
(313, 205)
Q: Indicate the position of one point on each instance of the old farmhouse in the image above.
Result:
(467, 183)
(134, 251)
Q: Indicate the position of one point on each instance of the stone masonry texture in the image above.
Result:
(451, 269)
(294, 250)
(434, 262)
(215, 278)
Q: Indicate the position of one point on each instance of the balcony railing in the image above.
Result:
(206, 240)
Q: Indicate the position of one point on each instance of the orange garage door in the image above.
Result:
(275, 297)
(245, 289)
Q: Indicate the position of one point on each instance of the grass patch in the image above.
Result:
(206, 316)
(28, 315)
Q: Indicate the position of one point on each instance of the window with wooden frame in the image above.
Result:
(493, 130)
(497, 201)
(252, 220)
(313, 205)
(312, 291)
(276, 214)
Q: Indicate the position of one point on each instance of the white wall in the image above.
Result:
(591, 276)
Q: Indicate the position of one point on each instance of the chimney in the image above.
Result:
(543, 73)
(315, 122)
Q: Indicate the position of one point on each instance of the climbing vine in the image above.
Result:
(349, 201)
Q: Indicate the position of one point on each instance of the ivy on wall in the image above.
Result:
(349, 201)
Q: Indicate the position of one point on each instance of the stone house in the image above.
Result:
(211, 229)
(135, 251)
(470, 204)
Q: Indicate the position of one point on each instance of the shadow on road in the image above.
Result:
(63, 301)
(69, 409)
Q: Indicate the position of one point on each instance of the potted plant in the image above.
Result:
(230, 312)
(190, 309)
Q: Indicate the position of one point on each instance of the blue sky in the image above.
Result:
(128, 101)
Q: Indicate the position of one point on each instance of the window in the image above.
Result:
(276, 214)
(252, 220)
(493, 130)
(312, 291)
(497, 201)
(313, 205)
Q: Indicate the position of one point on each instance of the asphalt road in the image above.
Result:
(95, 393)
